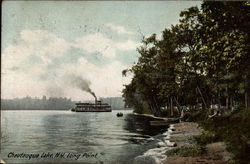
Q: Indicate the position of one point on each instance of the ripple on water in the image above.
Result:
(43, 131)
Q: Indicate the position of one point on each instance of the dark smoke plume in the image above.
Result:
(79, 82)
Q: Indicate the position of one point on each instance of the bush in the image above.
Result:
(192, 151)
(206, 137)
(195, 115)
(234, 130)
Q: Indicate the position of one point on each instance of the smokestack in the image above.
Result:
(92, 93)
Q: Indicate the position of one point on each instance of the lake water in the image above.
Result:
(75, 137)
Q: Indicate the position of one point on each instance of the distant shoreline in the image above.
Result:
(35, 109)
(50, 109)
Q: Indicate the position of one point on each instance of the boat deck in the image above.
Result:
(88, 107)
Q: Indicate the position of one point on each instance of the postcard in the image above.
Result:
(121, 82)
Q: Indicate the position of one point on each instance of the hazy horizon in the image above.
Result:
(47, 97)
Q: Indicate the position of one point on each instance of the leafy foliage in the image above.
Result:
(204, 59)
(234, 130)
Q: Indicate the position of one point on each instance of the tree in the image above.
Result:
(203, 59)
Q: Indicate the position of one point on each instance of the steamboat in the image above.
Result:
(98, 106)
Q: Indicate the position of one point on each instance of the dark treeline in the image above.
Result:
(204, 59)
(117, 103)
(29, 103)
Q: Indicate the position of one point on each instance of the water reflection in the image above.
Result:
(114, 138)
(141, 124)
(71, 133)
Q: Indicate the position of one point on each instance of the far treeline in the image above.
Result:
(202, 61)
(29, 103)
(53, 103)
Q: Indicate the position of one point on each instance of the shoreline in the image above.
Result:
(157, 155)
(179, 137)
(150, 115)
(183, 135)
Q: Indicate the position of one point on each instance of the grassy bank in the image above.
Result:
(231, 129)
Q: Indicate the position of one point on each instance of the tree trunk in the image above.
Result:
(177, 103)
(197, 99)
(231, 102)
(227, 98)
(246, 100)
(218, 100)
(227, 102)
(157, 106)
(152, 108)
(204, 102)
(171, 107)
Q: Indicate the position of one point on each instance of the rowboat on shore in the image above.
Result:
(165, 122)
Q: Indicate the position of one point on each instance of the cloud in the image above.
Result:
(13, 56)
(30, 66)
(20, 85)
(100, 43)
(34, 52)
(128, 45)
(96, 43)
(45, 42)
(105, 80)
(118, 29)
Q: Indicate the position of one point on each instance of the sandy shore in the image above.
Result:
(183, 135)
(184, 132)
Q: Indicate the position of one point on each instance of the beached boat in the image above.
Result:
(165, 122)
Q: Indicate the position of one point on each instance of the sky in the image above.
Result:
(44, 43)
